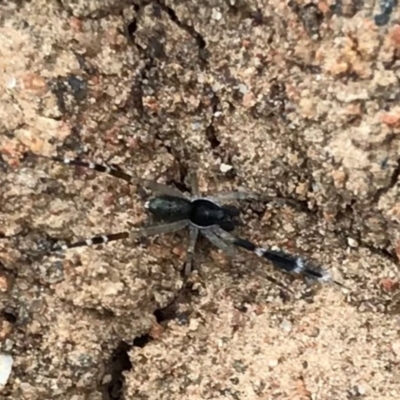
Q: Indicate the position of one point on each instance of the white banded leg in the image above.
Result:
(224, 246)
(284, 261)
(117, 173)
(142, 232)
(100, 239)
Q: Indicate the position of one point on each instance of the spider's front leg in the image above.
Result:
(155, 187)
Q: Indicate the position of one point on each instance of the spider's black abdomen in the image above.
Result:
(205, 213)
(169, 208)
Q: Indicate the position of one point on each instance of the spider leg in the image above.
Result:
(239, 195)
(141, 232)
(100, 239)
(218, 242)
(193, 236)
(194, 183)
(234, 195)
(118, 173)
(160, 188)
(160, 229)
(4, 236)
(284, 261)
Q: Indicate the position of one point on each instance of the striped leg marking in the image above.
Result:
(115, 172)
(142, 232)
(101, 239)
(284, 261)
(118, 173)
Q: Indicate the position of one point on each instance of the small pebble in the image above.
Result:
(273, 363)
(224, 168)
(11, 82)
(196, 126)
(359, 390)
(194, 325)
(216, 14)
(3, 284)
(6, 362)
(242, 88)
(286, 325)
(352, 242)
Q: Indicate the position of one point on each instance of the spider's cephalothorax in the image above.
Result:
(202, 213)
(209, 216)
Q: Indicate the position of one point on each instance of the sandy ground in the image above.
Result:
(297, 99)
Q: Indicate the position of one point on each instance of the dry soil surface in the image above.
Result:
(298, 99)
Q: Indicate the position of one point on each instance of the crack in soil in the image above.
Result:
(200, 41)
(119, 363)
(393, 182)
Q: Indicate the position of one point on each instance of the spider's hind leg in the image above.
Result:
(99, 239)
(140, 232)
(281, 260)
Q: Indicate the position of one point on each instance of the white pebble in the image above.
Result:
(352, 242)
(11, 82)
(216, 14)
(6, 362)
(243, 88)
(273, 363)
(224, 168)
(360, 390)
(286, 325)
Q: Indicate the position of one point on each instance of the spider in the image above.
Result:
(208, 215)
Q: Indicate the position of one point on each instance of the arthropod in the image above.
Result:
(211, 216)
